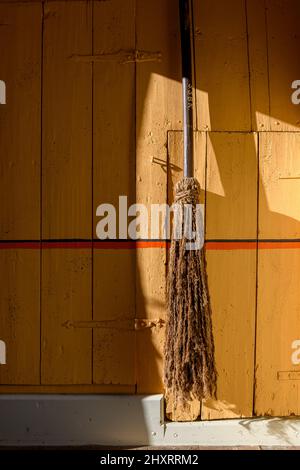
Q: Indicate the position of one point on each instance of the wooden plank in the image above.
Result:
(66, 296)
(20, 316)
(231, 278)
(258, 64)
(279, 199)
(114, 348)
(278, 326)
(231, 202)
(283, 18)
(158, 110)
(113, 176)
(273, 45)
(20, 68)
(175, 172)
(221, 64)
(231, 186)
(67, 192)
(67, 121)
(278, 276)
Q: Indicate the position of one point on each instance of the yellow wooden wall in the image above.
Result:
(84, 124)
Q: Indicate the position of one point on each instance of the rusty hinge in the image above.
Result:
(288, 375)
(121, 56)
(295, 177)
(122, 324)
(141, 323)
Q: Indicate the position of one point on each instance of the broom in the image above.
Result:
(189, 365)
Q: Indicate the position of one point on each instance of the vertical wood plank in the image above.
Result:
(258, 64)
(20, 316)
(231, 213)
(20, 67)
(221, 64)
(66, 297)
(279, 198)
(278, 325)
(273, 46)
(114, 176)
(283, 18)
(67, 121)
(231, 186)
(158, 111)
(66, 191)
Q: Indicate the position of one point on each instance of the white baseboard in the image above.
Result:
(127, 420)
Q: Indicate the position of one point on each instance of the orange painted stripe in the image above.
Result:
(235, 245)
(130, 244)
(153, 244)
(252, 245)
(23, 245)
(266, 245)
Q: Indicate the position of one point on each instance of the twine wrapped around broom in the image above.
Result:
(189, 367)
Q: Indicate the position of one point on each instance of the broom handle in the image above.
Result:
(187, 86)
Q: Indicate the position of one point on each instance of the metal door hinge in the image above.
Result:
(142, 323)
(122, 324)
(121, 56)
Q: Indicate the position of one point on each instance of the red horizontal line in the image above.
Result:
(66, 244)
(101, 245)
(138, 244)
(22, 245)
(236, 245)
(278, 244)
(251, 245)
(131, 244)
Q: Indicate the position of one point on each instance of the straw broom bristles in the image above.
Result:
(189, 367)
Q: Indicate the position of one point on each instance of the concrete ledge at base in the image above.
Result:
(262, 432)
(118, 420)
(127, 420)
